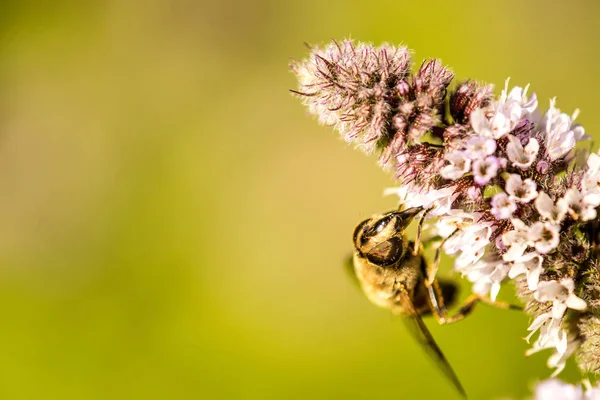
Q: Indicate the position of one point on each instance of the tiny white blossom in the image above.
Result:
(518, 240)
(469, 239)
(559, 358)
(519, 190)
(468, 257)
(560, 293)
(591, 200)
(494, 127)
(591, 393)
(547, 209)
(479, 147)
(593, 163)
(591, 178)
(551, 334)
(459, 165)
(440, 200)
(518, 97)
(577, 129)
(485, 169)
(470, 242)
(519, 156)
(553, 389)
(591, 182)
(561, 134)
(545, 235)
(455, 219)
(510, 109)
(503, 206)
(578, 205)
(529, 264)
(487, 276)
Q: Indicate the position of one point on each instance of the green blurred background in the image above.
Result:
(173, 224)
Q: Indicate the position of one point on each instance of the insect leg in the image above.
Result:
(465, 309)
(438, 308)
(435, 299)
(470, 303)
(436, 302)
(432, 269)
(417, 246)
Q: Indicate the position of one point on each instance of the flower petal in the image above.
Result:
(533, 278)
(516, 270)
(576, 303)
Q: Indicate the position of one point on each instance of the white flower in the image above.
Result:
(519, 156)
(559, 358)
(471, 242)
(459, 165)
(494, 127)
(517, 98)
(593, 163)
(553, 389)
(592, 197)
(548, 210)
(439, 199)
(561, 133)
(479, 147)
(468, 257)
(545, 235)
(578, 205)
(455, 219)
(485, 169)
(591, 178)
(487, 276)
(519, 190)
(503, 206)
(578, 130)
(529, 264)
(504, 115)
(551, 334)
(561, 295)
(469, 239)
(518, 240)
(591, 393)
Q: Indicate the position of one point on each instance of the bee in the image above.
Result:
(393, 273)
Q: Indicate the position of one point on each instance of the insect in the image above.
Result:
(394, 274)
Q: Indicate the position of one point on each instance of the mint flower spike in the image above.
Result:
(369, 95)
(494, 171)
(354, 88)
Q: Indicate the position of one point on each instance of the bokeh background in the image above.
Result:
(173, 224)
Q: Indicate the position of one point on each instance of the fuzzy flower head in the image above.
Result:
(370, 96)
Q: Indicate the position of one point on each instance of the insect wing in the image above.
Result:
(419, 331)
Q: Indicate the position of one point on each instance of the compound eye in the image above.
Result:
(381, 224)
(359, 234)
(386, 253)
